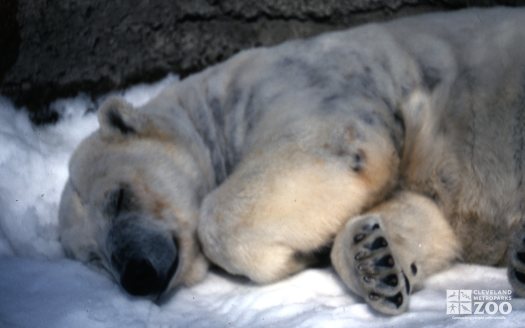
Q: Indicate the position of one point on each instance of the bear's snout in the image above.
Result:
(144, 256)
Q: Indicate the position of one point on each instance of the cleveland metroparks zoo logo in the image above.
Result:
(479, 303)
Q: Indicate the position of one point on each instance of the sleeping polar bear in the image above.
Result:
(399, 146)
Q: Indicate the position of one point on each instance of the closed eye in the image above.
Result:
(119, 200)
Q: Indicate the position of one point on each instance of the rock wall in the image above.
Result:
(53, 49)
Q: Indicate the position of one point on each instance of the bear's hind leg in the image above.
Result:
(386, 253)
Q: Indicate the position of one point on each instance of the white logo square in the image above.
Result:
(452, 295)
(452, 307)
(465, 308)
(465, 295)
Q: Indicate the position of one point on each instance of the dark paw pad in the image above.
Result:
(407, 283)
(386, 261)
(379, 242)
(397, 299)
(413, 268)
(391, 280)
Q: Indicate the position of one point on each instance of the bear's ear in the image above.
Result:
(118, 117)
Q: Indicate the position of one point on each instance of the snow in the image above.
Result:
(40, 288)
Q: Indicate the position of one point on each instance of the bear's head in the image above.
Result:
(130, 205)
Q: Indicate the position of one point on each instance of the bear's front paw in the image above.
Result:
(516, 266)
(379, 276)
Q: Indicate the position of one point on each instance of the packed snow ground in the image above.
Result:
(40, 288)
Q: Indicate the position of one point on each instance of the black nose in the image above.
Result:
(144, 255)
(140, 278)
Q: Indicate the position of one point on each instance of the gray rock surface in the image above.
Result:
(57, 48)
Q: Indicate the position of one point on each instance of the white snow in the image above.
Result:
(40, 288)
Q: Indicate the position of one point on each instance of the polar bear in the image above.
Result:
(398, 147)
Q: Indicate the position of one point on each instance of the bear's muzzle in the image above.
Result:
(144, 255)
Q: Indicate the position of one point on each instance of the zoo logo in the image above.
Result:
(478, 302)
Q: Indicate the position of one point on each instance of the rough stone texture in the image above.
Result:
(9, 35)
(56, 48)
